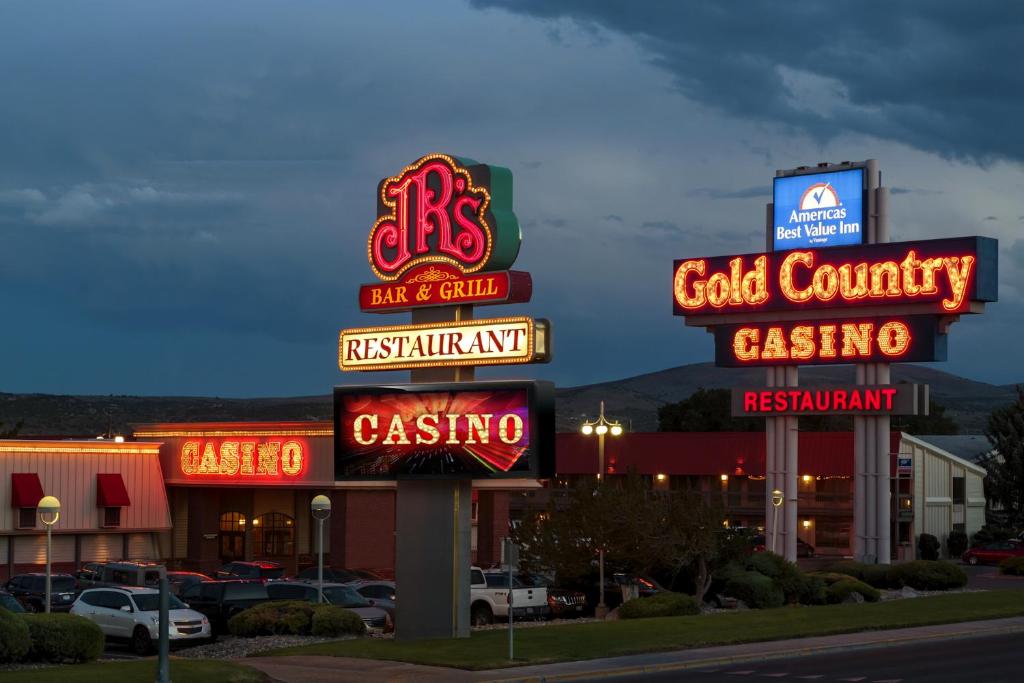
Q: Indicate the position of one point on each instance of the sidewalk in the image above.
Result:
(348, 670)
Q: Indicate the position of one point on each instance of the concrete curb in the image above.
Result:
(757, 656)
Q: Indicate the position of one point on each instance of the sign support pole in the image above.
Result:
(433, 530)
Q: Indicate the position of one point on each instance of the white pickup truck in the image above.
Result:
(489, 601)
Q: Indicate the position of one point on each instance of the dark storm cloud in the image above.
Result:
(744, 193)
(943, 77)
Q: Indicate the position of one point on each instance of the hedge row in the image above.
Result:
(838, 587)
(664, 604)
(57, 638)
(1013, 566)
(296, 618)
(932, 575)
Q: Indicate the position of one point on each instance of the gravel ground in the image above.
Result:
(911, 593)
(503, 624)
(230, 647)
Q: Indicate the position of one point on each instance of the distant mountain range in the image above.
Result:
(634, 400)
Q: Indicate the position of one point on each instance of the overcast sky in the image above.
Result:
(186, 188)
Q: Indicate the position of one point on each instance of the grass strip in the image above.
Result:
(573, 642)
(141, 671)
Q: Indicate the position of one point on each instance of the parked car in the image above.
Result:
(333, 574)
(803, 549)
(130, 574)
(340, 594)
(133, 614)
(563, 602)
(489, 594)
(179, 581)
(379, 593)
(993, 553)
(30, 591)
(221, 600)
(262, 570)
(89, 574)
(8, 603)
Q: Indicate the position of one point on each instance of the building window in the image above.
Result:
(232, 536)
(26, 518)
(959, 490)
(111, 517)
(273, 534)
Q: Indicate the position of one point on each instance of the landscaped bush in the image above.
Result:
(1013, 566)
(842, 589)
(989, 534)
(14, 637)
(281, 617)
(63, 638)
(812, 590)
(875, 575)
(930, 575)
(332, 621)
(956, 543)
(664, 604)
(755, 589)
(928, 546)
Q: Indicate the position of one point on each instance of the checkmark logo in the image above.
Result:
(817, 195)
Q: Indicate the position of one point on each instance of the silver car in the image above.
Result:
(340, 594)
(133, 614)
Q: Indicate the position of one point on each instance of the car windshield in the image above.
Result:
(535, 580)
(62, 584)
(10, 604)
(345, 597)
(150, 602)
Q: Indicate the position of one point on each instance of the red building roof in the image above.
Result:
(826, 454)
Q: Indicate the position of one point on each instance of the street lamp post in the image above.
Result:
(602, 427)
(49, 506)
(320, 506)
(777, 498)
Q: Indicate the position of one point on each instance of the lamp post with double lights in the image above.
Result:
(49, 506)
(320, 507)
(601, 427)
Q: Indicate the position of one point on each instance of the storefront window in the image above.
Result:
(273, 534)
(232, 536)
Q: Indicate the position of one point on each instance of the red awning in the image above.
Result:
(110, 491)
(26, 490)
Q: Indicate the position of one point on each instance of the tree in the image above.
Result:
(1005, 481)
(706, 410)
(935, 422)
(12, 431)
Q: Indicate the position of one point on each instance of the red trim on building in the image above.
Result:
(26, 490)
(111, 491)
(826, 454)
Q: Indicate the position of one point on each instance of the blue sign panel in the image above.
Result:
(819, 210)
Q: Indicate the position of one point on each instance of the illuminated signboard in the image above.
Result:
(895, 399)
(241, 459)
(443, 209)
(441, 284)
(821, 342)
(817, 210)
(499, 341)
(468, 429)
(947, 275)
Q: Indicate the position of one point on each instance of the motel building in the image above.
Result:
(198, 495)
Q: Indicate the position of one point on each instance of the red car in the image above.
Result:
(993, 553)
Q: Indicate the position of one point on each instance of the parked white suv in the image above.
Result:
(133, 614)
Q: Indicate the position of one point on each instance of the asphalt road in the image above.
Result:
(981, 660)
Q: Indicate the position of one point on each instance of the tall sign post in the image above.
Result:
(443, 242)
(831, 288)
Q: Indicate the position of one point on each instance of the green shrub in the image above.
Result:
(333, 621)
(786, 575)
(1013, 566)
(990, 534)
(930, 575)
(928, 547)
(277, 617)
(812, 590)
(875, 575)
(848, 567)
(664, 604)
(956, 543)
(63, 638)
(840, 590)
(14, 637)
(755, 589)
